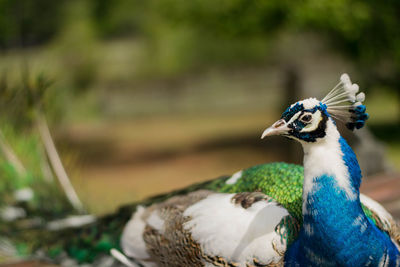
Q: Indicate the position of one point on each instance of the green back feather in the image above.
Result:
(281, 181)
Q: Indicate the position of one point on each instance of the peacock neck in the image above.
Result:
(335, 229)
(333, 157)
(332, 180)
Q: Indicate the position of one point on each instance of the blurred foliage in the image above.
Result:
(49, 200)
(119, 17)
(184, 35)
(12, 97)
(19, 105)
(365, 31)
(26, 22)
(76, 42)
(19, 99)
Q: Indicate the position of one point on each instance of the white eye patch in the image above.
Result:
(295, 117)
(316, 118)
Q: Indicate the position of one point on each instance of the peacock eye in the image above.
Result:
(306, 118)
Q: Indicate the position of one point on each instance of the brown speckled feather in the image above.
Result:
(173, 245)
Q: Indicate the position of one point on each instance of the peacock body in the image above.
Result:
(244, 191)
(273, 214)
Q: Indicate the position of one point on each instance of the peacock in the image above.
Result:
(274, 214)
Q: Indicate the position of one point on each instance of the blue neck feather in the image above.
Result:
(350, 160)
(335, 231)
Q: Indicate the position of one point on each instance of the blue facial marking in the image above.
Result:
(290, 111)
(297, 125)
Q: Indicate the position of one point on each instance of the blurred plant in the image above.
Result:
(182, 36)
(214, 32)
(26, 22)
(119, 17)
(7, 97)
(36, 95)
(28, 186)
(76, 44)
(186, 35)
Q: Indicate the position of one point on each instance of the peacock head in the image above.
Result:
(307, 120)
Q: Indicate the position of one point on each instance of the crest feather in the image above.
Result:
(345, 103)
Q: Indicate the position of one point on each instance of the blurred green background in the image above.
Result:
(142, 97)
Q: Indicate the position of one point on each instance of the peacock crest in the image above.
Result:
(345, 103)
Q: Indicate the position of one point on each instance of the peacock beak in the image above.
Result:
(278, 128)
